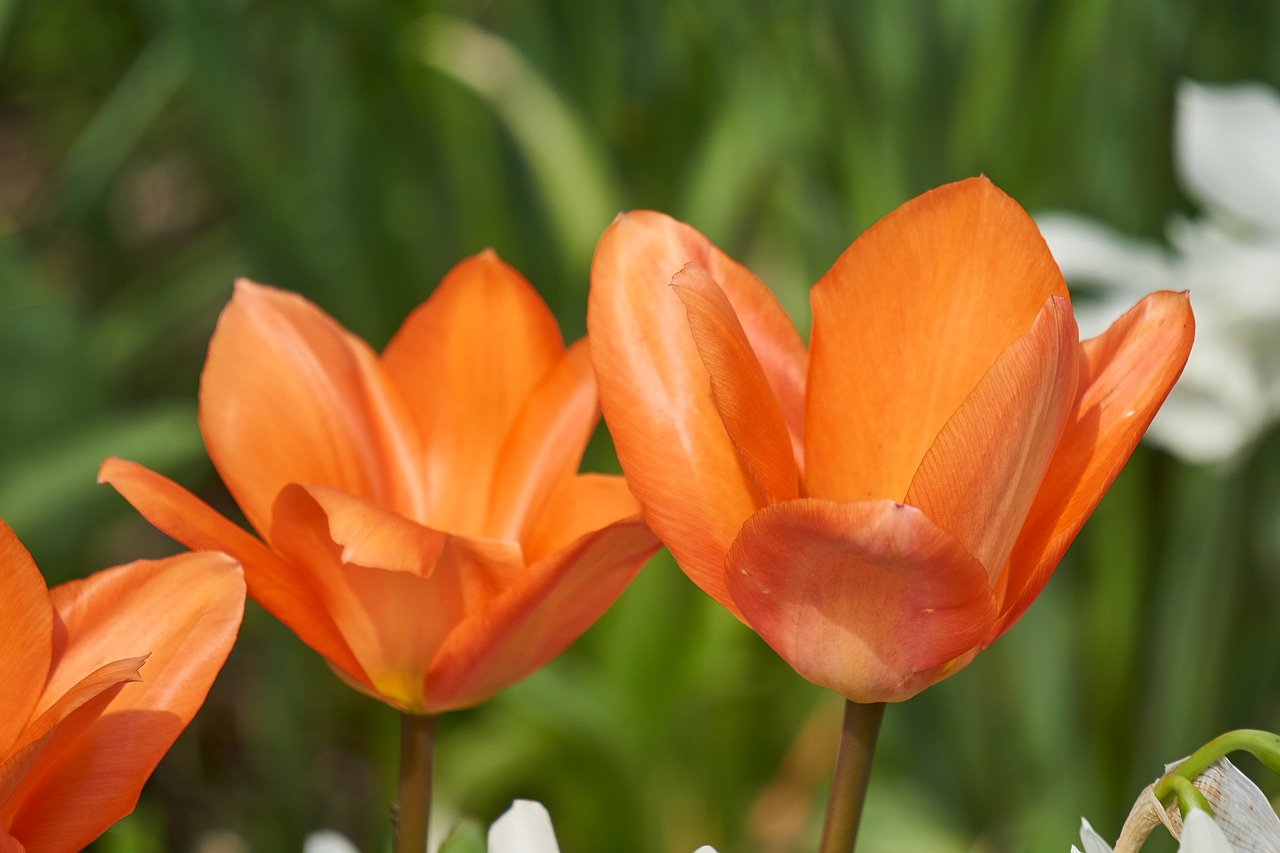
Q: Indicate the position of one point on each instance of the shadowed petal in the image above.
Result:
(95, 690)
(980, 476)
(870, 599)
(545, 444)
(26, 629)
(289, 396)
(906, 323)
(739, 388)
(466, 360)
(272, 582)
(1127, 372)
(655, 392)
(184, 612)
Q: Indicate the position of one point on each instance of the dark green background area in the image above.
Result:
(151, 152)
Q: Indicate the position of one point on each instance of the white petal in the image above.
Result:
(1240, 809)
(523, 828)
(1201, 835)
(328, 841)
(1092, 841)
(706, 848)
(1227, 143)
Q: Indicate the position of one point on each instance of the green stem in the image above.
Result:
(1263, 745)
(853, 769)
(413, 808)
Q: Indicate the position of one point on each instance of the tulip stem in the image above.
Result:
(413, 808)
(853, 769)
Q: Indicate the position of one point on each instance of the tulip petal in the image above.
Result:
(739, 388)
(26, 629)
(980, 476)
(870, 599)
(77, 707)
(466, 361)
(906, 323)
(392, 619)
(272, 582)
(545, 445)
(185, 611)
(289, 396)
(582, 505)
(537, 615)
(655, 394)
(1127, 372)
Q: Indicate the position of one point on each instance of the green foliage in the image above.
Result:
(152, 151)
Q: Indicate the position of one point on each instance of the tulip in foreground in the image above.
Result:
(101, 675)
(882, 507)
(423, 524)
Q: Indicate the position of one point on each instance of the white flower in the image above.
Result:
(1243, 820)
(1228, 156)
(328, 841)
(526, 828)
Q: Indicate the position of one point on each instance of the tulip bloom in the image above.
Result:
(101, 675)
(884, 506)
(423, 524)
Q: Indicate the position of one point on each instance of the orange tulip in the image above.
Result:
(883, 507)
(100, 677)
(425, 527)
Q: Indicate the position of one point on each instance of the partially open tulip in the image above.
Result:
(423, 523)
(100, 676)
(882, 507)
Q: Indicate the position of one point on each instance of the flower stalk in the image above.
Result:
(853, 769)
(413, 807)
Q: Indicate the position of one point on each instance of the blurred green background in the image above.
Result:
(152, 151)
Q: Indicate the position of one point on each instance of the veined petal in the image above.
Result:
(739, 388)
(289, 396)
(184, 611)
(584, 504)
(980, 476)
(466, 361)
(1127, 372)
(545, 445)
(280, 588)
(536, 615)
(906, 323)
(870, 599)
(655, 392)
(26, 637)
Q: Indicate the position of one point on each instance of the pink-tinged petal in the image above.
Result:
(466, 361)
(95, 690)
(870, 599)
(906, 323)
(26, 632)
(739, 388)
(582, 505)
(273, 583)
(185, 612)
(1127, 372)
(545, 444)
(980, 476)
(289, 396)
(655, 392)
(537, 615)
